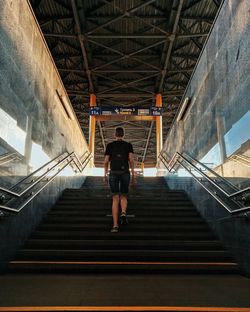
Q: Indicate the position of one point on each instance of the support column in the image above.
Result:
(158, 103)
(142, 168)
(92, 125)
(28, 143)
(220, 122)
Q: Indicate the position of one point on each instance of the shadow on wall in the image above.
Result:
(33, 122)
(233, 231)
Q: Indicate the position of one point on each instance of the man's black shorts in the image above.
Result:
(119, 182)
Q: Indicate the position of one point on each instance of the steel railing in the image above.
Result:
(228, 195)
(23, 192)
(8, 157)
(242, 159)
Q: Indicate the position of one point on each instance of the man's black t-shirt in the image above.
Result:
(118, 152)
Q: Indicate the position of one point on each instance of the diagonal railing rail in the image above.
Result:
(8, 157)
(242, 159)
(19, 195)
(228, 195)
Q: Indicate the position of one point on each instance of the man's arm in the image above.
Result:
(131, 164)
(106, 167)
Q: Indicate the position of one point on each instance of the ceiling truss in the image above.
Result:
(125, 52)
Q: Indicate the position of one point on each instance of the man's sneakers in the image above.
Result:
(114, 229)
(123, 218)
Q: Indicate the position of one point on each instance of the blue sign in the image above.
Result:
(95, 111)
(134, 111)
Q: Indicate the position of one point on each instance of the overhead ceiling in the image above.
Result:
(126, 51)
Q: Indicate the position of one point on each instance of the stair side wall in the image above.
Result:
(234, 232)
(33, 121)
(216, 124)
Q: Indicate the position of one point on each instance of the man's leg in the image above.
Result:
(114, 187)
(125, 179)
(115, 210)
(124, 203)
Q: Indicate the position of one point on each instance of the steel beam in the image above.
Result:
(60, 35)
(177, 17)
(206, 19)
(192, 38)
(130, 13)
(127, 84)
(128, 71)
(130, 55)
(97, 7)
(115, 19)
(127, 95)
(120, 84)
(124, 36)
(82, 44)
(131, 17)
(191, 5)
(124, 117)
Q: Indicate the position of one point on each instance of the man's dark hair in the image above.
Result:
(119, 132)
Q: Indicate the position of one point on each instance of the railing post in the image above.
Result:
(220, 122)
(28, 143)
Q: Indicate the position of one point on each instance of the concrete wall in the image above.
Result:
(36, 118)
(216, 124)
(33, 120)
(16, 228)
(234, 232)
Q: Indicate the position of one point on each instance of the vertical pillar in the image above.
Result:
(142, 168)
(158, 103)
(220, 121)
(28, 143)
(92, 124)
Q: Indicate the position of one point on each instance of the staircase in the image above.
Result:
(165, 234)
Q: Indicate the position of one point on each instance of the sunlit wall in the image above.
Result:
(216, 126)
(36, 118)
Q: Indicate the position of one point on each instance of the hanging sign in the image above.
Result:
(135, 111)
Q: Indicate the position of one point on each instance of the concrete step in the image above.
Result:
(164, 213)
(122, 235)
(134, 267)
(170, 220)
(133, 226)
(124, 255)
(123, 244)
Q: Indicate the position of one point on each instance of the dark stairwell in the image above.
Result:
(166, 257)
(165, 233)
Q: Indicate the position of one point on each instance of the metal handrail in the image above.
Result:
(213, 172)
(71, 157)
(243, 159)
(238, 192)
(7, 157)
(34, 172)
(177, 155)
(37, 180)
